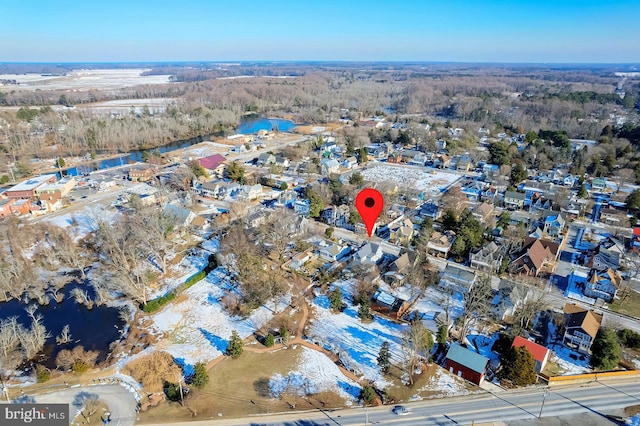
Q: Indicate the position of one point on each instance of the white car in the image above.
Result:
(401, 410)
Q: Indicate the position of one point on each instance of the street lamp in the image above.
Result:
(544, 397)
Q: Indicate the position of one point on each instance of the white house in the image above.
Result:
(299, 260)
(333, 252)
(301, 207)
(370, 253)
(328, 166)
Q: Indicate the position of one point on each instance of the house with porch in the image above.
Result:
(581, 328)
(603, 284)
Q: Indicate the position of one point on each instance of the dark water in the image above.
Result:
(94, 329)
(255, 125)
(132, 156)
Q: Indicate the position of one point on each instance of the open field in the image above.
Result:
(631, 306)
(410, 177)
(240, 387)
(80, 80)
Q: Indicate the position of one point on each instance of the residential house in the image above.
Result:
(466, 364)
(369, 253)
(266, 159)
(299, 260)
(389, 305)
(464, 163)
(514, 200)
(180, 215)
(419, 159)
(400, 231)
(142, 174)
(457, 278)
(250, 192)
(598, 184)
(336, 216)
(214, 165)
(440, 243)
(487, 258)
(603, 259)
(570, 180)
(282, 162)
(553, 225)
(211, 189)
(333, 252)
(613, 217)
(350, 162)
(329, 166)
(302, 207)
(581, 327)
(533, 189)
(329, 146)
(472, 189)
(535, 256)
(509, 298)
(540, 204)
(483, 212)
(429, 210)
(540, 353)
(27, 189)
(603, 284)
(442, 161)
(256, 219)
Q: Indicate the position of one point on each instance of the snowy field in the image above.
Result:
(202, 149)
(198, 328)
(357, 343)
(85, 80)
(315, 373)
(411, 177)
(188, 266)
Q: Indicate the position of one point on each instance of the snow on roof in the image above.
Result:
(32, 183)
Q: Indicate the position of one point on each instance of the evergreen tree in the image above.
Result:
(235, 348)
(384, 357)
(362, 156)
(368, 394)
(605, 350)
(60, 162)
(582, 192)
(518, 174)
(269, 341)
(518, 366)
(633, 200)
(442, 334)
(335, 299)
(364, 311)
(356, 179)
(200, 376)
(235, 172)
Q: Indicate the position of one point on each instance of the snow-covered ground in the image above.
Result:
(198, 328)
(315, 373)
(356, 343)
(482, 344)
(433, 301)
(569, 361)
(188, 266)
(445, 384)
(82, 222)
(411, 177)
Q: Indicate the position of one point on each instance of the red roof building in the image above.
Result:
(539, 352)
(214, 164)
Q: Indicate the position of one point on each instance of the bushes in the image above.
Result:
(155, 304)
(200, 375)
(43, 374)
(629, 338)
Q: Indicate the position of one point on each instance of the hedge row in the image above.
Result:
(155, 304)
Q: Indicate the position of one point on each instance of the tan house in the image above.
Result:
(535, 257)
(400, 231)
(514, 200)
(483, 212)
(581, 328)
(142, 174)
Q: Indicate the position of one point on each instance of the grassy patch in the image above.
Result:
(631, 306)
(399, 392)
(239, 387)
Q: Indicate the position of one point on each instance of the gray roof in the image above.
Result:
(515, 195)
(469, 359)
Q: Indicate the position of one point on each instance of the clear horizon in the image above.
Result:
(458, 31)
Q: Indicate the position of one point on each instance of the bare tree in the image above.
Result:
(65, 336)
(476, 305)
(417, 341)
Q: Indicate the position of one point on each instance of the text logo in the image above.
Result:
(34, 414)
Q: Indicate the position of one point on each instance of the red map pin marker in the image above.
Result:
(369, 203)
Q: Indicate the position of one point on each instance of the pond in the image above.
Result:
(94, 329)
(257, 124)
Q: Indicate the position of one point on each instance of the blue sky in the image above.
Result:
(397, 30)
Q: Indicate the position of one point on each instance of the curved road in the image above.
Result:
(121, 402)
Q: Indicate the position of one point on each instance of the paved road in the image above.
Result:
(120, 400)
(595, 398)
